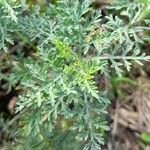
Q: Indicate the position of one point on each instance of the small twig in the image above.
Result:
(13, 120)
(123, 58)
(13, 49)
(115, 125)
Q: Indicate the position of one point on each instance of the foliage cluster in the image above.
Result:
(70, 43)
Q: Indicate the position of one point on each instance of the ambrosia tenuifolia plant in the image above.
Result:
(71, 42)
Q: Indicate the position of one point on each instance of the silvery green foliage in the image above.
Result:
(9, 12)
(72, 43)
(120, 39)
(8, 21)
(59, 76)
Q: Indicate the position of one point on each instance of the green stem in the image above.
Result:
(124, 57)
(89, 116)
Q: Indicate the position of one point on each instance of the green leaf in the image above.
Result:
(145, 137)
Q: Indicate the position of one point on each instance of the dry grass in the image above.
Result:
(131, 117)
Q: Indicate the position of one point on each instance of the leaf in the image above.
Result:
(145, 137)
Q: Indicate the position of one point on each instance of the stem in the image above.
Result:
(13, 49)
(124, 57)
(88, 114)
(13, 120)
(24, 40)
